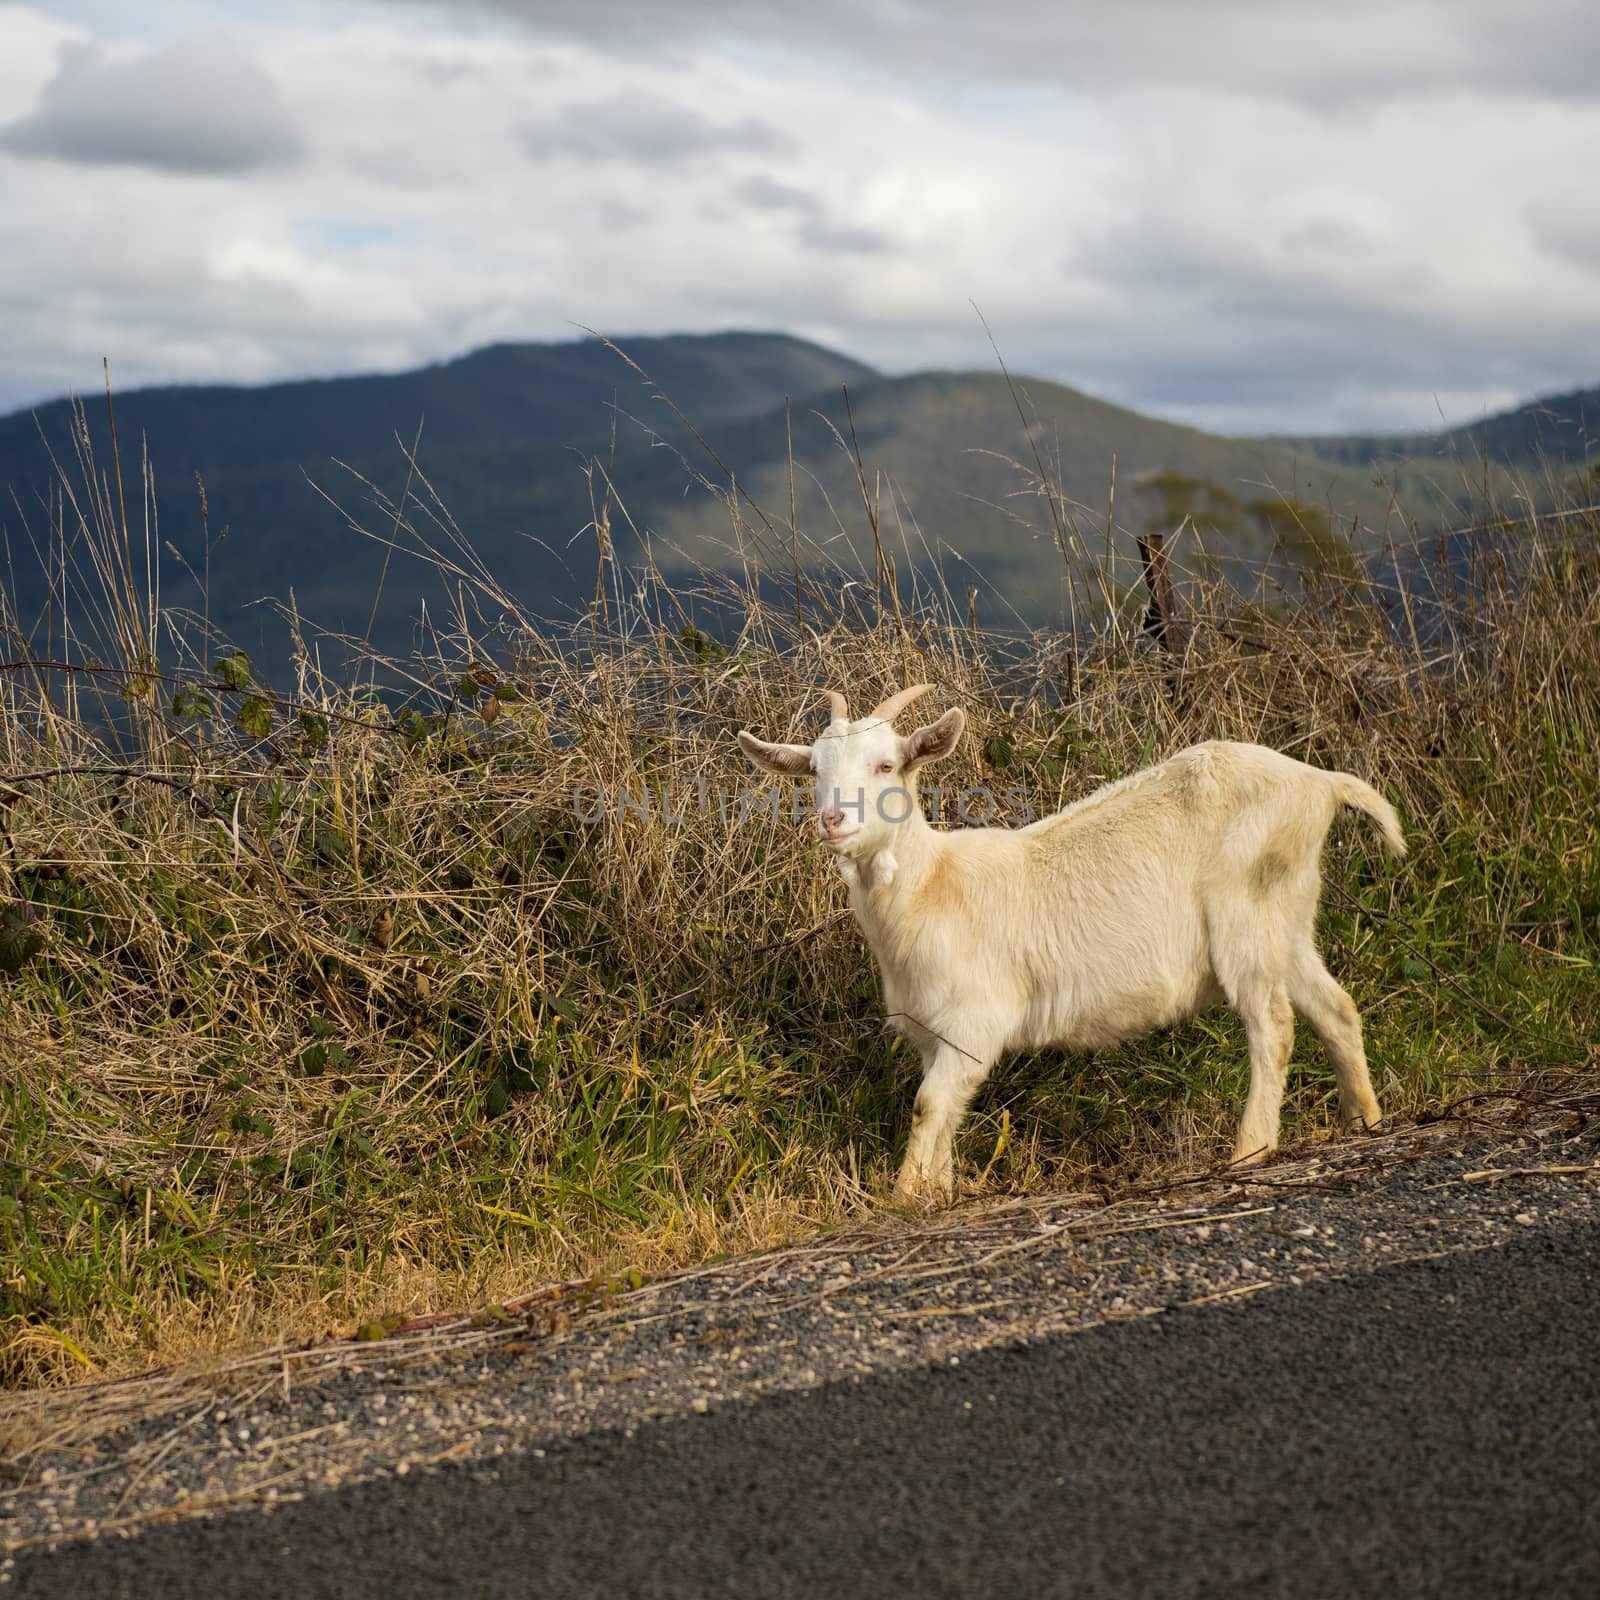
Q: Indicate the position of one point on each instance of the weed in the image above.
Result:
(329, 1007)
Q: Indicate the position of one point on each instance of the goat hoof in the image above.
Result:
(920, 1198)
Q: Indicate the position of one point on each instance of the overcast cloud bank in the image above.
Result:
(1246, 216)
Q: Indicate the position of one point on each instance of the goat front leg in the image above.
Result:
(1269, 1026)
(950, 1078)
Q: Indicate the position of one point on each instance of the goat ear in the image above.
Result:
(937, 739)
(775, 757)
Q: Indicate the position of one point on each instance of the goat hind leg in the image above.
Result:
(1334, 1019)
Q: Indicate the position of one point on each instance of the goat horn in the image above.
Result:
(838, 711)
(896, 703)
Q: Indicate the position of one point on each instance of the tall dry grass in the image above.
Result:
(329, 999)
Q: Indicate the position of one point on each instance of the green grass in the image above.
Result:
(319, 1005)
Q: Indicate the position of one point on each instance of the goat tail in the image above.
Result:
(1350, 791)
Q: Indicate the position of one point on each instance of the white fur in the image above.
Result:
(1188, 883)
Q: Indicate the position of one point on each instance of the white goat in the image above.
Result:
(1153, 898)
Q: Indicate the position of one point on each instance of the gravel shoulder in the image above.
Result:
(576, 1365)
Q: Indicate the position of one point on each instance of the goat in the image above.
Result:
(1192, 881)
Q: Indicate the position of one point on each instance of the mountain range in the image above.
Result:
(990, 484)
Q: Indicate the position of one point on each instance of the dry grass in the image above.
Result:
(323, 1004)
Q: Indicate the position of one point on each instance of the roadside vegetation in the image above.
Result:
(345, 996)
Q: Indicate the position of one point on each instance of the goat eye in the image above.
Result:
(886, 766)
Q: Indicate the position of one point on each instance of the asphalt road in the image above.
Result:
(1427, 1429)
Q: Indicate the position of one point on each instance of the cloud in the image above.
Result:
(1565, 219)
(1215, 251)
(201, 105)
(809, 217)
(762, 193)
(1331, 56)
(650, 129)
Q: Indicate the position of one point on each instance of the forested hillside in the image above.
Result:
(294, 491)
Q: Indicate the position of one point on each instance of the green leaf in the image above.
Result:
(234, 670)
(498, 1098)
(1070, 736)
(314, 1060)
(563, 1006)
(516, 1068)
(313, 729)
(328, 844)
(192, 703)
(703, 647)
(1510, 966)
(998, 751)
(357, 1143)
(255, 717)
(1416, 970)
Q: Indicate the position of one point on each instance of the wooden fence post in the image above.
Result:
(1161, 615)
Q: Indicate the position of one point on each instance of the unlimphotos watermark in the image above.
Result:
(674, 805)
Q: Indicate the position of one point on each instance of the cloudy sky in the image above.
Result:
(1250, 215)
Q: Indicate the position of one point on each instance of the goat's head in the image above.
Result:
(865, 772)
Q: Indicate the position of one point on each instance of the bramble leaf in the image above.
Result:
(255, 717)
(234, 670)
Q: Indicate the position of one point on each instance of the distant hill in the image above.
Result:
(507, 432)
(1560, 432)
(958, 474)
